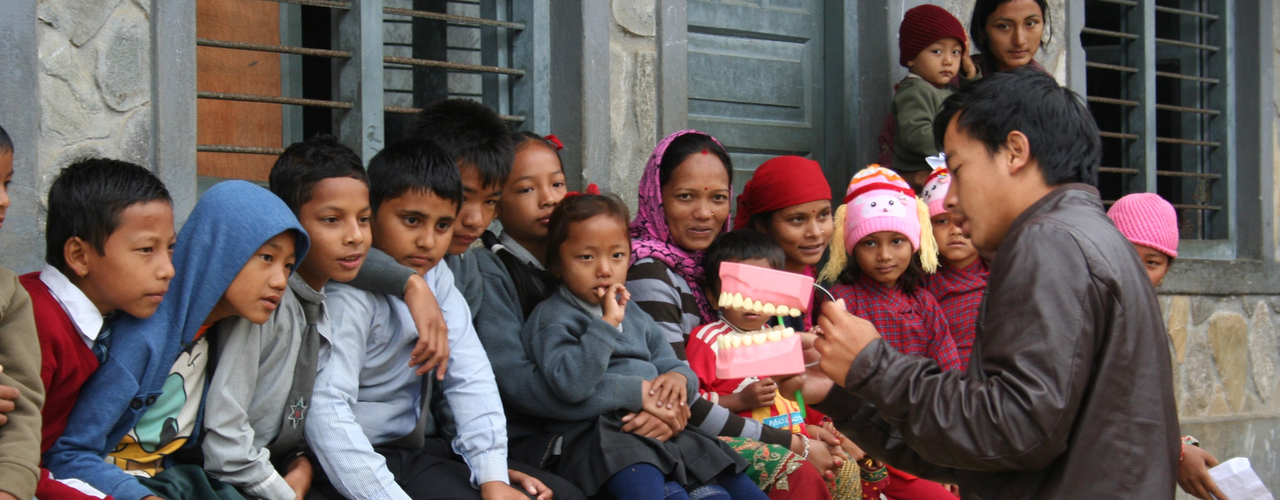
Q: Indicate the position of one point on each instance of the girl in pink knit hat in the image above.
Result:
(886, 231)
(1151, 224)
(961, 279)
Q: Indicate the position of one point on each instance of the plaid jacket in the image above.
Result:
(960, 292)
(912, 324)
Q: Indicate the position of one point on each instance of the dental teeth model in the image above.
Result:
(764, 291)
(763, 353)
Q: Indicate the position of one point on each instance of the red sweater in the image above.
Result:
(66, 361)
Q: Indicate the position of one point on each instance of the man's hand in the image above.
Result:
(1193, 474)
(671, 389)
(844, 337)
(298, 477)
(8, 401)
(432, 350)
(614, 302)
(529, 484)
(648, 425)
(4, 495)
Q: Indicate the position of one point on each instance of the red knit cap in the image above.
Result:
(923, 25)
(779, 183)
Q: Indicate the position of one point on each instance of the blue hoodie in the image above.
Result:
(231, 221)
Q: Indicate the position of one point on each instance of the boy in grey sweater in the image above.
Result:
(261, 388)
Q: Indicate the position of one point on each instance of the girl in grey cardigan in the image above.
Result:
(588, 328)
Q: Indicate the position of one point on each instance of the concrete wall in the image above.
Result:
(633, 96)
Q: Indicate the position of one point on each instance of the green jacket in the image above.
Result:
(915, 105)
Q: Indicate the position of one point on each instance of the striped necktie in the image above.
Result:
(103, 341)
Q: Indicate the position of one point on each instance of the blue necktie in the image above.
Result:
(104, 338)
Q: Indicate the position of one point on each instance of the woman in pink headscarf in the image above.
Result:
(684, 205)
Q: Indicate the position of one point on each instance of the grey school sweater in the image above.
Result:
(575, 350)
(246, 405)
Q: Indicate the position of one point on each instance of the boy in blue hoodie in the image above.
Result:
(377, 428)
(257, 403)
(143, 405)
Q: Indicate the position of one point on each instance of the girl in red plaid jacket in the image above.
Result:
(961, 279)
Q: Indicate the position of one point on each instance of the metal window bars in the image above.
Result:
(359, 68)
(1156, 73)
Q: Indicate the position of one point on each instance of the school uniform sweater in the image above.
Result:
(19, 354)
(914, 105)
(249, 408)
(229, 223)
(911, 324)
(66, 361)
(959, 292)
(575, 350)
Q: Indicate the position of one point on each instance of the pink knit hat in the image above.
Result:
(1147, 220)
(936, 187)
(879, 200)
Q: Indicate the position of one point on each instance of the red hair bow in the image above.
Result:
(555, 141)
(592, 188)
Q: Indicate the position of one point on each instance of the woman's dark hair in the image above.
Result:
(982, 10)
(681, 148)
(737, 246)
(908, 282)
(578, 208)
(304, 164)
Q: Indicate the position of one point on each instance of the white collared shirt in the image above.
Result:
(83, 313)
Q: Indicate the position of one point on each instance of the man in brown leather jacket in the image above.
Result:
(1069, 391)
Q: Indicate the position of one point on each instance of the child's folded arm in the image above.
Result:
(382, 274)
(916, 105)
(499, 331)
(229, 452)
(571, 364)
(353, 467)
(663, 356)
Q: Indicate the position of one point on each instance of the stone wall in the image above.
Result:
(633, 64)
(95, 85)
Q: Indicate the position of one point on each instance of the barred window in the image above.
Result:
(1158, 80)
(273, 72)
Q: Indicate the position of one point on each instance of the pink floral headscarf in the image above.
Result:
(650, 236)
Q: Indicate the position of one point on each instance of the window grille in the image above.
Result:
(1158, 79)
(361, 68)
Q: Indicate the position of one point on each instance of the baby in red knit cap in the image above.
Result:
(933, 47)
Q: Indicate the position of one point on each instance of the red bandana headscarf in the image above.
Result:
(650, 236)
(779, 183)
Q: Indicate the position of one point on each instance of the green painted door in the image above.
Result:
(755, 78)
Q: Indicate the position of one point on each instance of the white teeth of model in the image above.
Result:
(722, 342)
(747, 340)
(787, 332)
(774, 335)
(758, 307)
(769, 310)
(735, 340)
(748, 305)
(737, 301)
(725, 299)
(783, 311)
(795, 313)
(760, 338)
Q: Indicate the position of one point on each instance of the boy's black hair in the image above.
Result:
(304, 164)
(681, 148)
(577, 208)
(1061, 131)
(737, 246)
(982, 10)
(469, 132)
(6, 144)
(520, 140)
(413, 165)
(87, 198)
(908, 282)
